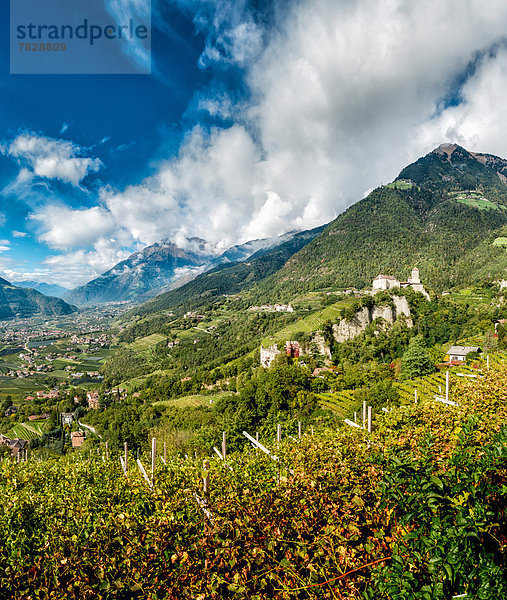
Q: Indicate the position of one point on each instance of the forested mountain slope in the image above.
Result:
(442, 213)
(230, 279)
(22, 302)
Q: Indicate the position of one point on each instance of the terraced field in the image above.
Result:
(434, 384)
(342, 403)
(20, 431)
(147, 342)
(313, 322)
(192, 401)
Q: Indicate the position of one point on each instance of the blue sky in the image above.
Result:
(258, 118)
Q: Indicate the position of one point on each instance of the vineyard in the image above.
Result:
(344, 402)
(25, 432)
(313, 322)
(414, 510)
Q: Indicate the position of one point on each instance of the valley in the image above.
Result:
(366, 360)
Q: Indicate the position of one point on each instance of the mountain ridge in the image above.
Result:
(434, 214)
(161, 267)
(27, 302)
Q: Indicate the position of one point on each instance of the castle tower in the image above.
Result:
(415, 276)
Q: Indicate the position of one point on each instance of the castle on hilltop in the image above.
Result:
(388, 282)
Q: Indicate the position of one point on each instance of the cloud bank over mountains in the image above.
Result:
(310, 104)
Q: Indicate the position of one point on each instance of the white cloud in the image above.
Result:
(63, 228)
(80, 266)
(50, 158)
(479, 122)
(19, 234)
(341, 96)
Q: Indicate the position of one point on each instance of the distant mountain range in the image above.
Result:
(231, 278)
(446, 213)
(48, 289)
(161, 267)
(25, 302)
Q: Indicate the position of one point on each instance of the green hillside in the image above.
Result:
(229, 279)
(414, 509)
(26, 302)
(443, 224)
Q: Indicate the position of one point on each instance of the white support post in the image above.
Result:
(205, 479)
(278, 433)
(355, 417)
(153, 458)
(364, 414)
(126, 458)
(224, 446)
(447, 386)
(258, 445)
(143, 473)
(415, 395)
(107, 451)
(299, 429)
(369, 419)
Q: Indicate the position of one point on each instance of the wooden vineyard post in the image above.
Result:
(312, 430)
(415, 395)
(107, 451)
(257, 439)
(153, 458)
(205, 479)
(447, 386)
(278, 440)
(369, 419)
(364, 414)
(126, 458)
(224, 446)
(299, 429)
(355, 417)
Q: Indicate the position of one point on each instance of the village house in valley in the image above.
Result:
(77, 438)
(16, 445)
(93, 399)
(460, 353)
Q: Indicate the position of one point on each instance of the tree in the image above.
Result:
(490, 342)
(417, 359)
